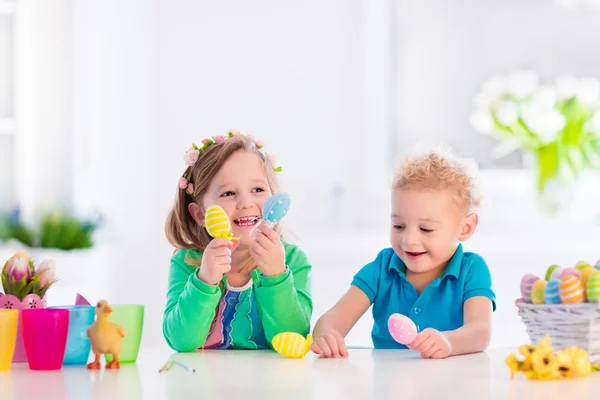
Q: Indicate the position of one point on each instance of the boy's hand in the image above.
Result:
(431, 343)
(216, 261)
(267, 250)
(331, 345)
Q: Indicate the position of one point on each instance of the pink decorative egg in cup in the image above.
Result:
(402, 328)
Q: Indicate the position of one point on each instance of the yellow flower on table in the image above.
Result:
(544, 365)
(573, 363)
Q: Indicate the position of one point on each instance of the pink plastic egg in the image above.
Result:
(526, 285)
(570, 271)
(402, 328)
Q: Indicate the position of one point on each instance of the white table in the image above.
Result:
(264, 374)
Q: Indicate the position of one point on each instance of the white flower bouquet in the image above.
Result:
(558, 123)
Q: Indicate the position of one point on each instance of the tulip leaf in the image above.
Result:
(5, 283)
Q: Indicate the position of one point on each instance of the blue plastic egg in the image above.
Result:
(551, 292)
(276, 207)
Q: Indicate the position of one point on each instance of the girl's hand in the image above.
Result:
(431, 343)
(267, 250)
(330, 345)
(216, 261)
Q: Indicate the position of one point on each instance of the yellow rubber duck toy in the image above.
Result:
(105, 336)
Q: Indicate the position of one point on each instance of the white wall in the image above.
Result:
(445, 50)
(289, 73)
(44, 176)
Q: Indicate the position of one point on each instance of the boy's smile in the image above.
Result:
(426, 227)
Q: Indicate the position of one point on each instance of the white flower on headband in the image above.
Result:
(191, 156)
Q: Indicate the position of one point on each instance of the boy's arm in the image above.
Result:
(344, 314)
(285, 299)
(190, 308)
(333, 326)
(474, 336)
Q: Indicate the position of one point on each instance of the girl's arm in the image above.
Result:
(285, 299)
(474, 336)
(190, 309)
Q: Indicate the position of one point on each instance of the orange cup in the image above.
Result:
(9, 320)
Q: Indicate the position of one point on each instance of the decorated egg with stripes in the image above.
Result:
(217, 222)
(291, 344)
(526, 286)
(585, 275)
(538, 291)
(550, 270)
(571, 290)
(593, 287)
(581, 265)
(556, 273)
(551, 292)
(570, 271)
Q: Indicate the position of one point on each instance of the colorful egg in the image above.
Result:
(585, 274)
(571, 290)
(402, 329)
(291, 344)
(537, 291)
(593, 287)
(570, 271)
(276, 207)
(551, 292)
(556, 273)
(581, 265)
(550, 270)
(217, 222)
(526, 285)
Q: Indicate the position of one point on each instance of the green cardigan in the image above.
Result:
(283, 303)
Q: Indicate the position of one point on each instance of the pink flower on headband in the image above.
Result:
(234, 132)
(190, 188)
(259, 144)
(219, 139)
(191, 156)
(204, 141)
(183, 183)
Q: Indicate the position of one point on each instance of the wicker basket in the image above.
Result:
(567, 324)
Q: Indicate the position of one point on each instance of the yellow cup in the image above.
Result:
(8, 337)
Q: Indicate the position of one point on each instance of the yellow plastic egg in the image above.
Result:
(571, 290)
(585, 275)
(538, 291)
(291, 344)
(217, 222)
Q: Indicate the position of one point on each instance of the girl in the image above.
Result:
(224, 294)
(425, 275)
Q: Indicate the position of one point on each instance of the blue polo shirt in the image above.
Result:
(440, 305)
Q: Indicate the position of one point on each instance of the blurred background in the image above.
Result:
(100, 99)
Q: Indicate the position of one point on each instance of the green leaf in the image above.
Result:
(5, 284)
(278, 169)
(548, 164)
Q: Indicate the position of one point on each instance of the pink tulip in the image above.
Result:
(17, 266)
(46, 271)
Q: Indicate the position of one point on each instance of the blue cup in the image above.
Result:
(77, 351)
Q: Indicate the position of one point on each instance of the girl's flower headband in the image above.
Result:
(191, 156)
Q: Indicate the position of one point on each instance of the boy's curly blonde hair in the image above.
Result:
(441, 170)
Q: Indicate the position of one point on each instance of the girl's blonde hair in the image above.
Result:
(441, 169)
(182, 231)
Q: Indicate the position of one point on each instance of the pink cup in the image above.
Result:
(45, 337)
